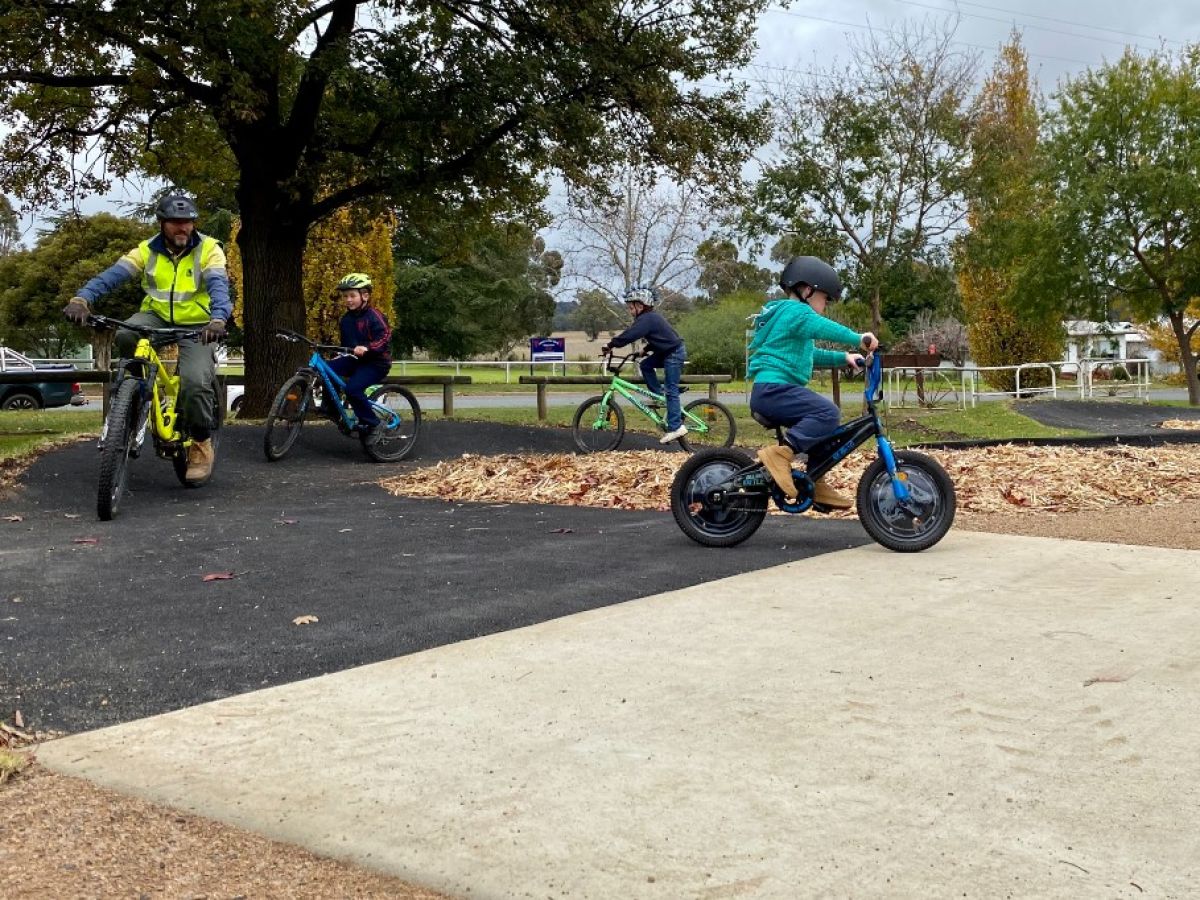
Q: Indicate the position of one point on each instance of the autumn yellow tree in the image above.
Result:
(1166, 342)
(1004, 200)
(347, 241)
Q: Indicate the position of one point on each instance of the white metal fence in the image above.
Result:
(1092, 378)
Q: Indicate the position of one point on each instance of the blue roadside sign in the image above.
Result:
(543, 349)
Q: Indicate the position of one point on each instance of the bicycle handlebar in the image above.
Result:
(296, 338)
(98, 321)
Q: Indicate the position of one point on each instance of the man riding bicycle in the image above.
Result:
(186, 285)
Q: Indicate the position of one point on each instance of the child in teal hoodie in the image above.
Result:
(782, 356)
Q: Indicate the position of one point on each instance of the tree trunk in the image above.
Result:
(876, 311)
(272, 279)
(1187, 358)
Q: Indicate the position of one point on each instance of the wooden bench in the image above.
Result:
(543, 381)
(103, 376)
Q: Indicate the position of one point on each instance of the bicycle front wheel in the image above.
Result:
(598, 426)
(118, 442)
(287, 416)
(920, 522)
(399, 424)
(709, 424)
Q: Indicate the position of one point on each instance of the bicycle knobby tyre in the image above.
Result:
(932, 495)
(706, 522)
(595, 432)
(118, 442)
(286, 417)
(399, 424)
(722, 428)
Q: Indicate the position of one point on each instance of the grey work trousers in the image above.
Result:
(197, 374)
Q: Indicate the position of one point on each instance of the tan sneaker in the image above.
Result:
(778, 460)
(200, 460)
(827, 496)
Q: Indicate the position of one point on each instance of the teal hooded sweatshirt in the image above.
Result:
(782, 350)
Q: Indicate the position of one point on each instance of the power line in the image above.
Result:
(1145, 37)
(870, 27)
(1074, 34)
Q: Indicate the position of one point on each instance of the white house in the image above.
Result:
(1105, 340)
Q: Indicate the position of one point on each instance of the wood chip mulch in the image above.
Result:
(987, 479)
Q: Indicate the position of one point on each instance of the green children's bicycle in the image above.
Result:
(599, 422)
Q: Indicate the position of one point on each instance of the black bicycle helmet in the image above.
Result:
(176, 205)
(816, 273)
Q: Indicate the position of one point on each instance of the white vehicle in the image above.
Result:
(234, 395)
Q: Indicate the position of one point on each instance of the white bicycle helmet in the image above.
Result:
(647, 296)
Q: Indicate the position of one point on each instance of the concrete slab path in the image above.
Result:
(999, 716)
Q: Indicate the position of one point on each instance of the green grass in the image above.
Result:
(906, 427)
(22, 433)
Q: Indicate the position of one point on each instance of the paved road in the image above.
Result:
(1102, 417)
(996, 717)
(107, 622)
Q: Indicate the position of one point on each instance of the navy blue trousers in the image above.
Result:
(807, 415)
(672, 366)
(359, 376)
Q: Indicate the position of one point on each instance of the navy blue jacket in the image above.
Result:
(656, 331)
(366, 327)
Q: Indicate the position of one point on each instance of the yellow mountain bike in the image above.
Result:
(143, 397)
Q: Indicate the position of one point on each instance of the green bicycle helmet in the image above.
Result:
(355, 281)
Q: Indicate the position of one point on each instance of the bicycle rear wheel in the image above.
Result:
(118, 441)
(399, 424)
(705, 503)
(287, 416)
(180, 461)
(716, 427)
(598, 426)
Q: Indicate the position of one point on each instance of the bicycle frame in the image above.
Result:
(330, 380)
(157, 384)
(830, 451)
(630, 392)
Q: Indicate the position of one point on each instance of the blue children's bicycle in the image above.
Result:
(905, 499)
(302, 395)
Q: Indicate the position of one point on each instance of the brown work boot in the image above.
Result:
(200, 460)
(778, 460)
(827, 496)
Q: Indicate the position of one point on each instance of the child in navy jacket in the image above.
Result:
(366, 332)
(666, 352)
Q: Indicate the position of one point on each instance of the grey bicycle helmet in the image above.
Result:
(816, 273)
(176, 205)
(647, 296)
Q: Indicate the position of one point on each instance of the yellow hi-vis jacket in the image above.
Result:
(175, 286)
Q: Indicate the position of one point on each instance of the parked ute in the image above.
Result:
(40, 395)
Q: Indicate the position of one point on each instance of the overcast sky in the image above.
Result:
(1063, 37)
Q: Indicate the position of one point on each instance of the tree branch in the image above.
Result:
(309, 95)
(51, 80)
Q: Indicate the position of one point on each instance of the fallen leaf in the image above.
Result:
(344, 530)
(286, 521)
(305, 620)
(87, 540)
(18, 719)
(219, 576)
(563, 531)
(14, 518)
(70, 515)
